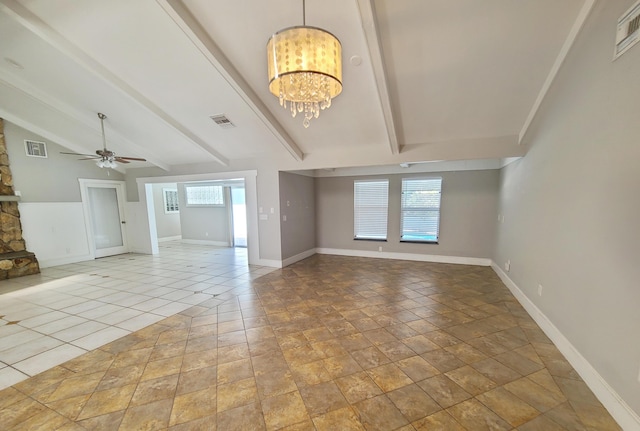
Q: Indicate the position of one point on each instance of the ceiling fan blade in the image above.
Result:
(132, 158)
(78, 154)
(121, 160)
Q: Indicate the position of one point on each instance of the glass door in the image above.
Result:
(239, 214)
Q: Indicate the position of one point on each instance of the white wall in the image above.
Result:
(55, 232)
(572, 208)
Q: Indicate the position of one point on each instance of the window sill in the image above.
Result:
(419, 241)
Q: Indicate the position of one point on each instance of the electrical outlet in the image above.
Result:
(507, 265)
(539, 289)
(206, 234)
(284, 218)
(380, 248)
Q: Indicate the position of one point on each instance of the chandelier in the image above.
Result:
(305, 69)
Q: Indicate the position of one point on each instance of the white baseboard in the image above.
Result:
(170, 238)
(406, 256)
(206, 242)
(268, 262)
(617, 407)
(48, 263)
(293, 259)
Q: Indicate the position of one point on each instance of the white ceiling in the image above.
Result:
(439, 79)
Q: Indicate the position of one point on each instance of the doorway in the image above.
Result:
(103, 203)
(239, 216)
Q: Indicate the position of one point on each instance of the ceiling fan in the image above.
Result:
(106, 158)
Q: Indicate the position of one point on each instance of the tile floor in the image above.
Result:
(329, 343)
(68, 310)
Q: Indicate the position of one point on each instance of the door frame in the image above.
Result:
(119, 187)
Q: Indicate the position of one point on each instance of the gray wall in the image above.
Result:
(467, 216)
(572, 204)
(167, 225)
(54, 179)
(297, 204)
(203, 223)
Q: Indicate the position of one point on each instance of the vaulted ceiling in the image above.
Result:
(424, 80)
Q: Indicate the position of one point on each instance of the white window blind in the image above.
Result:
(421, 209)
(204, 195)
(370, 204)
(170, 201)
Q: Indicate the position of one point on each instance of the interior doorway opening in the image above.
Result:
(239, 216)
(210, 212)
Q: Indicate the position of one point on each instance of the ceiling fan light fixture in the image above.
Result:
(305, 69)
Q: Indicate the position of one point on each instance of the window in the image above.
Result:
(370, 203)
(420, 209)
(170, 201)
(204, 195)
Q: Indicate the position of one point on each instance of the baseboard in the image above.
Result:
(293, 259)
(48, 263)
(406, 256)
(617, 407)
(170, 238)
(268, 262)
(205, 242)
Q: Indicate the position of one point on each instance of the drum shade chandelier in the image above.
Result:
(305, 69)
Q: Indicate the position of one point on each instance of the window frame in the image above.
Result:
(357, 223)
(404, 208)
(202, 205)
(166, 201)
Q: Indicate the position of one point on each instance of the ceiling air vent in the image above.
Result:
(628, 32)
(222, 121)
(35, 148)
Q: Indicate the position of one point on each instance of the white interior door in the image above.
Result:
(105, 209)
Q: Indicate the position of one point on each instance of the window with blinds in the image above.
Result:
(421, 209)
(370, 204)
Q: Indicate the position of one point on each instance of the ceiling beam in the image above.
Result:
(38, 27)
(372, 36)
(203, 42)
(562, 55)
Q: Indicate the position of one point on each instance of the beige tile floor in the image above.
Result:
(68, 310)
(329, 343)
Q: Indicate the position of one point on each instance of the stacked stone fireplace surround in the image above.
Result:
(15, 260)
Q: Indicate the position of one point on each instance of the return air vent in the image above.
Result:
(35, 148)
(628, 32)
(222, 121)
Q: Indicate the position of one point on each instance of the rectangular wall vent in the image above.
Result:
(222, 121)
(35, 148)
(628, 31)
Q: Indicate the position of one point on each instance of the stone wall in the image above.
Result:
(15, 261)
